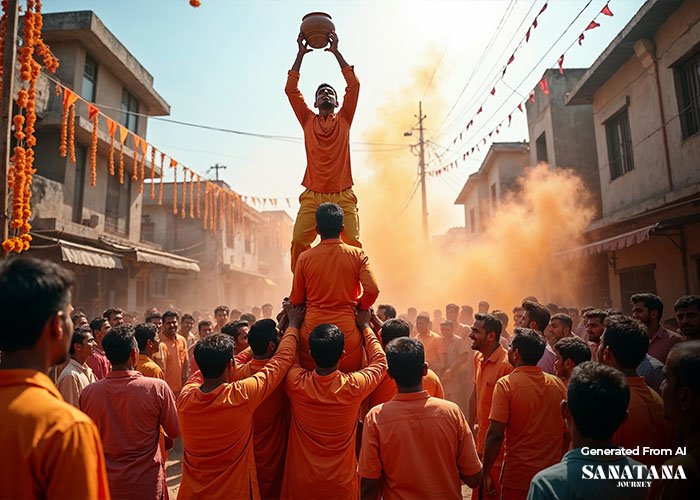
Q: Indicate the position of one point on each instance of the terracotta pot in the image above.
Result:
(316, 27)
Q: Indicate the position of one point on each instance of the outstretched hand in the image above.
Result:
(303, 46)
(295, 315)
(362, 318)
(333, 39)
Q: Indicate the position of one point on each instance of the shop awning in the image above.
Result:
(89, 256)
(609, 244)
(166, 259)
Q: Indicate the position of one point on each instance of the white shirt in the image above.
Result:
(73, 379)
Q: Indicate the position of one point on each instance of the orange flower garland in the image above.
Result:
(191, 195)
(206, 206)
(71, 133)
(160, 189)
(121, 162)
(144, 148)
(184, 192)
(112, 130)
(173, 164)
(152, 194)
(93, 150)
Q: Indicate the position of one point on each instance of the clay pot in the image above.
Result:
(316, 27)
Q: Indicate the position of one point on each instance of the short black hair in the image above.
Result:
(77, 315)
(685, 364)
(170, 314)
(405, 358)
(111, 312)
(530, 343)
(627, 339)
(329, 220)
(651, 301)
(97, 323)
(233, 327)
(249, 317)
(187, 316)
(202, 323)
(491, 324)
(118, 344)
(143, 333)
(213, 354)
(261, 334)
(325, 85)
(38, 289)
(222, 309)
(326, 343)
(596, 313)
(687, 301)
(564, 319)
(153, 316)
(79, 335)
(597, 397)
(389, 311)
(573, 348)
(394, 328)
(538, 313)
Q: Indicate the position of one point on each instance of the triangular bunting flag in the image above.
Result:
(560, 62)
(606, 11)
(69, 98)
(123, 133)
(544, 86)
(92, 111)
(580, 38)
(111, 127)
(592, 25)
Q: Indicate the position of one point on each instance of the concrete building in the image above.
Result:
(496, 177)
(236, 263)
(95, 231)
(645, 97)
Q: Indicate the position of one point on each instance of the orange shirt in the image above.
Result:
(418, 446)
(148, 367)
(217, 429)
(387, 389)
(50, 449)
(173, 352)
(646, 424)
(331, 279)
(434, 348)
(321, 459)
(486, 374)
(527, 401)
(270, 429)
(327, 141)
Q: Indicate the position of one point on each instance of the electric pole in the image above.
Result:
(216, 167)
(421, 163)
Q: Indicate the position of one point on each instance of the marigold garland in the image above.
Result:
(93, 150)
(206, 206)
(142, 174)
(71, 134)
(173, 165)
(184, 192)
(121, 162)
(152, 193)
(160, 189)
(135, 166)
(111, 152)
(191, 195)
(63, 147)
(199, 197)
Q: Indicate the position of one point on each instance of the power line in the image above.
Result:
(442, 55)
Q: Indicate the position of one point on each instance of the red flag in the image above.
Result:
(527, 35)
(580, 38)
(493, 91)
(520, 107)
(544, 7)
(606, 11)
(464, 156)
(512, 58)
(561, 64)
(534, 24)
(592, 25)
(544, 85)
(92, 111)
(532, 97)
(460, 136)
(490, 133)
(481, 108)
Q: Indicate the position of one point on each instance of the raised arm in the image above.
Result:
(352, 91)
(369, 378)
(370, 288)
(301, 110)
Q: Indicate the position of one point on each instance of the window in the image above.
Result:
(494, 198)
(129, 105)
(688, 81)
(541, 148)
(89, 79)
(79, 182)
(117, 207)
(617, 131)
(635, 280)
(148, 229)
(472, 220)
(157, 285)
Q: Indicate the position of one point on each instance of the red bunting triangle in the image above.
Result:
(512, 58)
(92, 111)
(560, 62)
(527, 35)
(532, 97)
(520, 107)
(544, 86)
(606, 11)
(580, 38)
(592, 25)
(544, 7)
(510, 118)
(481, 108)
(534, 24)
(493, 91)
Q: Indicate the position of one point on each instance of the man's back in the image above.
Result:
(527, 401)
(46, 442)
(418, 446)
(325, 411)
(148, 367)
(387, 389)
(129, 410)
(646, 425)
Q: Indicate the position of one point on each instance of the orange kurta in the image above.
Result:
(418, 446)
(327, 141)
(321, 460)
(331, 279)
(50, 449)
(387, 389)
(646, 424)
(528, 401)
(270, 429)
(486, 374)
(173, 352)
(148, 367)
(217, 429)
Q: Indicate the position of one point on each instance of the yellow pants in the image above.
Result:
(305, 224)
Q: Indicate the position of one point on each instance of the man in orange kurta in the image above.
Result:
(332, 279)
(218, 459)
(526, 410)
(321, 456)
(148, 340)
(490, 364)
(623, 346)
(173, 352)
(328, 176)
(271, 419)
(49, 448)
(394, 329)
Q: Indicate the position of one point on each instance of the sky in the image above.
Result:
(225, 65)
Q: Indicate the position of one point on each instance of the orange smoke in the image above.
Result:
(510, 259)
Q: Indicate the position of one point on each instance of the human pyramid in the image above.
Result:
(331, 401)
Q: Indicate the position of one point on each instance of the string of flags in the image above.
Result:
(199, 197)
(543, 85)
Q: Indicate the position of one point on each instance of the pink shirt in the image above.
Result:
(661, 343)
(547, 360)
(129, 410)
(99, 363)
